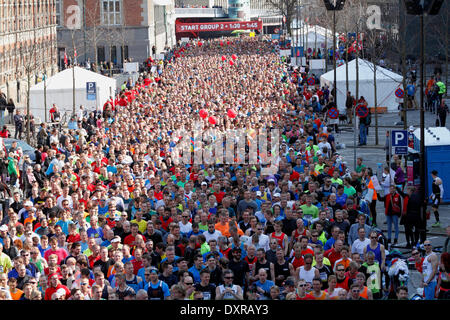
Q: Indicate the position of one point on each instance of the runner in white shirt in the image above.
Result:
(359, 244)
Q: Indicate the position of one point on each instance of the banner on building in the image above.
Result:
(219, 26)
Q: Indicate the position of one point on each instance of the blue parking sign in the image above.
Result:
(399, 138)
(91, 91)
(399, 141)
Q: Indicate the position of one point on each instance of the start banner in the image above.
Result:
(219, 26)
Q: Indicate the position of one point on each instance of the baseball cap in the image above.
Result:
(277, 194)
(204, 183)
(116, 239)
(258, 193)
(4, 228)
(60, 293)
(28, 204)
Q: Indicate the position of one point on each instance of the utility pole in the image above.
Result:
(422, 113)
(420, 9)
(334, 58)
(73, 73)
(84, 30)
(356, 96)
(334, 6)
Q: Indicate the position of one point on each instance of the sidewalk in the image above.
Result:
(375, 155)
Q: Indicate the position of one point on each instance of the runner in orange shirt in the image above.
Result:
(224, 224)
(317, 291)
(345, 260)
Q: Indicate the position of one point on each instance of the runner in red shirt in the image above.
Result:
(301, 291)
(54, 285)
(418, 260)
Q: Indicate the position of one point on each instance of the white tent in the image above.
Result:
(387, 83)
(314, 37)
(317, 40)
(59, 90)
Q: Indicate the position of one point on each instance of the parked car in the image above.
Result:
(26, 148)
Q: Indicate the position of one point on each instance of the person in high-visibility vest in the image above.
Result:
(371, 196)
(442, 90)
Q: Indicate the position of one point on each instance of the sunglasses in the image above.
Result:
(302, 285)
(189, 283)
(339, 269)
(229, 277)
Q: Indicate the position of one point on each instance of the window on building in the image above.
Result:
(111, 12)
(113, 56)
(100, 54)
(59, 16)
(159, 13)
(124, 53)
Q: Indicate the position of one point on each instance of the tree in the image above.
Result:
(95, 33)
(325, 19)
(286, 8)
(30, 65)
(122, 40)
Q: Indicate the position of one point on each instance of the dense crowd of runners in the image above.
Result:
(105, 212)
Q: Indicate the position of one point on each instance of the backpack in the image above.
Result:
(368, 119)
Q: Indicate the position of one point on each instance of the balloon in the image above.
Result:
(212, 120)
(199, 43)
(231, 62)
(203, 113)
(224, 58)
(231, 113)
(221, 43)
(234, 57)
(228, 42)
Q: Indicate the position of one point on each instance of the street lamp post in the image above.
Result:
(334, 6)
(334, 58)
(422, 112)
(422, 8)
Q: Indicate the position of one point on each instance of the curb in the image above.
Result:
(364, 147)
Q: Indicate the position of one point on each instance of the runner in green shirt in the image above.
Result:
(310, 209)
(349, 190)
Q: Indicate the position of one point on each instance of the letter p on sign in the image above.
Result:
(399, 138)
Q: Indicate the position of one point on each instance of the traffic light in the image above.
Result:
(419, 7)
(334, 5)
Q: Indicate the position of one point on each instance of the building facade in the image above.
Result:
(113, 30)
(27, 45)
